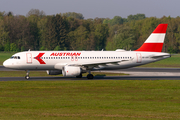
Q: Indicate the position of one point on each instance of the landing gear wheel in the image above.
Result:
(90, 76)
(27, 77)
(79, 76)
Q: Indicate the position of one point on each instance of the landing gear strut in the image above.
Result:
(27, 75)
(90, 76)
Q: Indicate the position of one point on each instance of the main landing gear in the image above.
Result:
(27, 75)
(90, 76)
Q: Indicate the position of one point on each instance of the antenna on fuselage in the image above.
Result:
(29, 50)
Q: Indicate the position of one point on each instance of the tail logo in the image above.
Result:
(154, 42)
(39, 58)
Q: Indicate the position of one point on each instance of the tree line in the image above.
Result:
(70, 31)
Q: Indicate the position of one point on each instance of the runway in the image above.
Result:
(136, 73)
(95, 78)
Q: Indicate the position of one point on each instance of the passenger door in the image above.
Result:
(29, 58)
(139, 57)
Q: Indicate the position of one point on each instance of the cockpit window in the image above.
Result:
(15, 57)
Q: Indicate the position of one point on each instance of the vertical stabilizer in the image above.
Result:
(155, 41)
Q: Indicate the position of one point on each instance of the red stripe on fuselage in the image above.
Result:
(161, 28)
(38, 58)
(151, 47)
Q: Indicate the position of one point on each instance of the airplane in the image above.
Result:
(74, 63)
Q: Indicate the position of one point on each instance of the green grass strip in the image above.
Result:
(82, 100)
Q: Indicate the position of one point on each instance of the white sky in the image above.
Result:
(95, 8)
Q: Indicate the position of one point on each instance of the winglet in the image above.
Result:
(155, 41)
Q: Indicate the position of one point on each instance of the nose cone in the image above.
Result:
(6, 63)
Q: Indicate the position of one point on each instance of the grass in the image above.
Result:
(103, 99)
(4, 56)
(173, 61)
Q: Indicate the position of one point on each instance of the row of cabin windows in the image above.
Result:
(82, 57)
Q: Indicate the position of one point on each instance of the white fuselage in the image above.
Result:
(55, 60)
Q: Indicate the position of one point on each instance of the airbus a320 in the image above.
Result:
(74, 63)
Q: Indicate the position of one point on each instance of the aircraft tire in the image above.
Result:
(90, 76)
(27, 77)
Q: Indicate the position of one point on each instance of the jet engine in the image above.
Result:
(70, 71)
(54, 72)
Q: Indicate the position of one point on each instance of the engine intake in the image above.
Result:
(70, 71)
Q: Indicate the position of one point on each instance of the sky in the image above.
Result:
(95, 8)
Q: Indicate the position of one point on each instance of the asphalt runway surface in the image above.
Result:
(95, 78)
(136, 73)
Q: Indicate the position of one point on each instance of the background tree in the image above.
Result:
(57, 30)
(101, 34)
(70, 31)
(73, 15)
(36, 12)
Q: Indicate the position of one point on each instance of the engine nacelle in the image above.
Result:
(54, 72)
(70, 71)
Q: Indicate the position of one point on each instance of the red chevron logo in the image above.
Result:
(38, 58)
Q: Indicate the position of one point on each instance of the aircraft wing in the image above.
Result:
(95, 64)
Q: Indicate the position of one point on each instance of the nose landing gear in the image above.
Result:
(27, 75)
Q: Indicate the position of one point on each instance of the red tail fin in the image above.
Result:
(155, 41)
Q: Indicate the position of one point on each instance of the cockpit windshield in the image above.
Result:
(15, 57)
